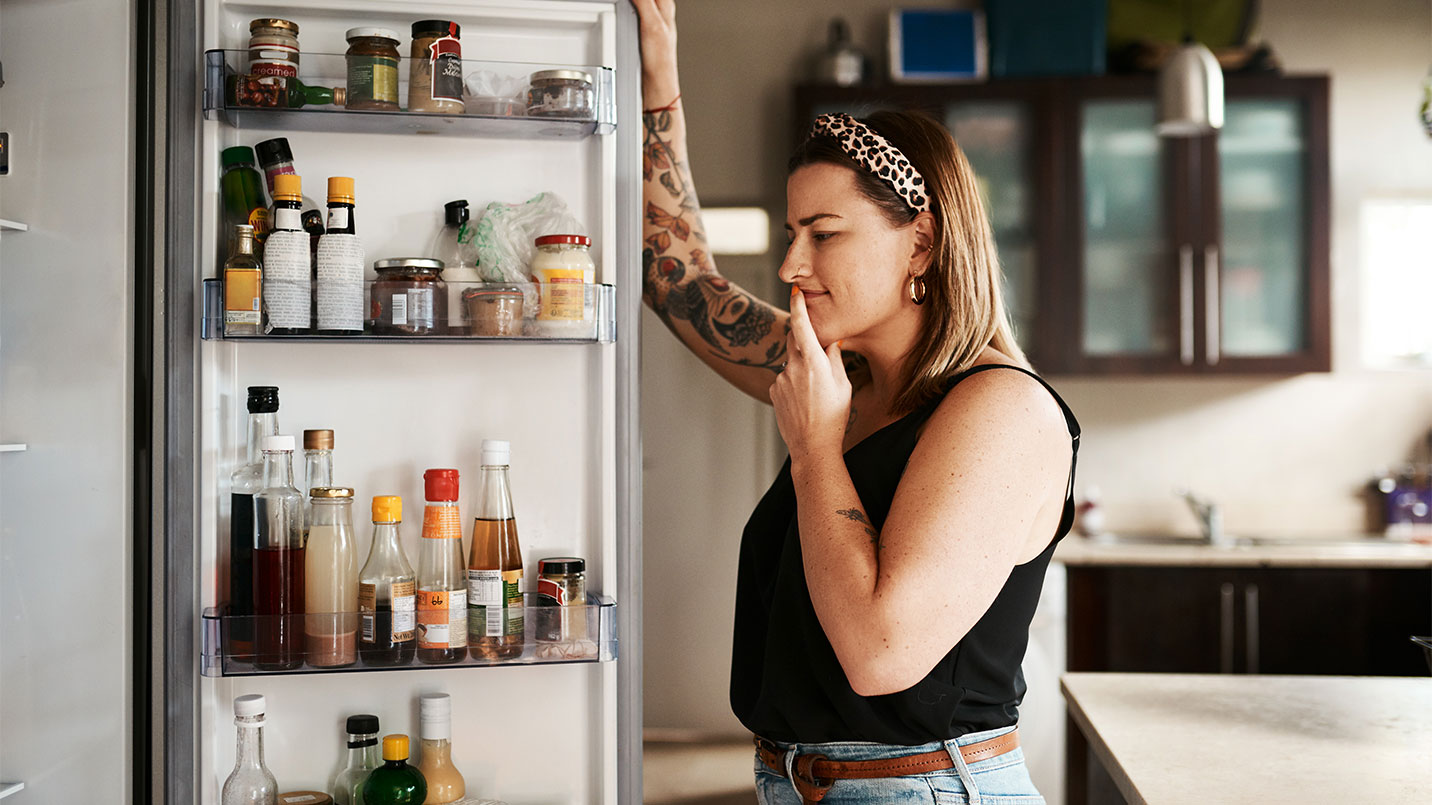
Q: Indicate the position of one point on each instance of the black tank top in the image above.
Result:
(786, 683)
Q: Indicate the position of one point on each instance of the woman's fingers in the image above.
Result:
(803, 338)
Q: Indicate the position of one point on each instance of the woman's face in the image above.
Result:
(851, 263)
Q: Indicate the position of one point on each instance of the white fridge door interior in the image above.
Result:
(524, 734)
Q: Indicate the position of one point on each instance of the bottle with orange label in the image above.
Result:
(442, 578)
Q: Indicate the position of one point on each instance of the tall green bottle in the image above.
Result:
(395, 782)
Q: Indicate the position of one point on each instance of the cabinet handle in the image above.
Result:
(1250, 625)
(1225, 629)
(1185, 304)
(1212, 309)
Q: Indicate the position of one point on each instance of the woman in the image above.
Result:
(888, 577)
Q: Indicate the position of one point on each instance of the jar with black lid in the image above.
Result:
(435, 80)
(372, 69)
(561, 583)
(408, 297)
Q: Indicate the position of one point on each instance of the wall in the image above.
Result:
(1285, 455)
(65, 325)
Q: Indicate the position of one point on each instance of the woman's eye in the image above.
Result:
(823, 235)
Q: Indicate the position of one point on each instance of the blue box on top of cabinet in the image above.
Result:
(1046, 37)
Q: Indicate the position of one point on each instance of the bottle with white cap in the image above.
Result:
(445, 783)
(278, 561)
(250, 783)
(494, 568)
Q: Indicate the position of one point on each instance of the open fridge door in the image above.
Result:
(541, 728)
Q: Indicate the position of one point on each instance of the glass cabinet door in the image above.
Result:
(1261, 289)
(996, 138)
(1128, 279)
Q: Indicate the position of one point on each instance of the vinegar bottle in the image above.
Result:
(250, 783)
(386, 587)
(445, 783)
(442, 582)
(494, 570)
(247, 481)
(317, 464)
(278, 561)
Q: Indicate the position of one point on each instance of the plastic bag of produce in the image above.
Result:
(506, 232)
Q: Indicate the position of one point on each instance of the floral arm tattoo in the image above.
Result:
(858, 516)
(680, 283)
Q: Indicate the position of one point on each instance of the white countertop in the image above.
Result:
(1310, 552)
(1186, 738)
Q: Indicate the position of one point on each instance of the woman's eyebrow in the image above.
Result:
(812, 219)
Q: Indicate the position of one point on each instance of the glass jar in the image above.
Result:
(561, 93)
(494, 310)
(409, 297)
(372, 69)
(562, 267)
(559, 608)
(435, 80)
(273, 47)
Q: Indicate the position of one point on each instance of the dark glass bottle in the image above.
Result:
(245, 483)
(242, 190)
(288, 265)
(301, 94)
(395, 782)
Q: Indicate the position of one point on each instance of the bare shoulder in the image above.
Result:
(1004, 411)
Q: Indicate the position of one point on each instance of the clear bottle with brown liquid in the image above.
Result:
(494, 569)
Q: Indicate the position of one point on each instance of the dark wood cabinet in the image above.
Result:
(1126, 253)
(1268, 620)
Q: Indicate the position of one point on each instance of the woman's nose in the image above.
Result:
(795, 266)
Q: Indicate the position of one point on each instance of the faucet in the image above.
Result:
(1210, 517)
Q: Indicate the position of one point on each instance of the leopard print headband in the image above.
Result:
(875, 153)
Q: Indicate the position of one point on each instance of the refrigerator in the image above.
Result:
(523, 732)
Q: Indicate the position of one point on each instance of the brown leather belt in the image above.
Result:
(814, 774)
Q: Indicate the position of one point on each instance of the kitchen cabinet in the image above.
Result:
(1243, 620)
(1181, 256)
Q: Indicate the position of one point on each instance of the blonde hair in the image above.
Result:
(964, 309)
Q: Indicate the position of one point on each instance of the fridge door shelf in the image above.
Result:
(492, 307)
(506, 116)
(552, 635)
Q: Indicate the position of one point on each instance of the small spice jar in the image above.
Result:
(372, 69)
(409, 297)
(494, 310)
(273, 47)
(561, 582)
(435, 80)
(561, 93)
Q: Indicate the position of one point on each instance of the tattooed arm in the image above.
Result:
(738, 335)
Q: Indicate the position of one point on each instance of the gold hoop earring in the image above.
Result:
(917, 290)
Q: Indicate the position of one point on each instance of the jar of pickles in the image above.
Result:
(561, 93)
(408, 297)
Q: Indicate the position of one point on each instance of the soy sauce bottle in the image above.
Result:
(387, 630)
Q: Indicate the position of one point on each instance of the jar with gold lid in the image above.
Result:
(273, 47)
(408, 297)
(372, 60)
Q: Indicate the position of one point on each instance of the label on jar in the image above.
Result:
(495, 602)
(272, 63)
(551, 589)
(241, 296)
(340, 280)
(404, 611)
(442, 618)
(398, 308)
(447, 69)
(420, 309)
(563, 294)
(287, 287)
(372, 78)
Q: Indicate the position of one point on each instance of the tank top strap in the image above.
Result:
(1066, 522)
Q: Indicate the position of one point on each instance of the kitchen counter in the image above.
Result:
(1311, 552)
(1176, 738)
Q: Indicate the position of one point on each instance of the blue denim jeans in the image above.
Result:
(1002, 780)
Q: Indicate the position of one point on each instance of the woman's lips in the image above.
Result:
(809, 295)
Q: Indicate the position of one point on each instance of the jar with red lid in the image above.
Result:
(562, 267)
